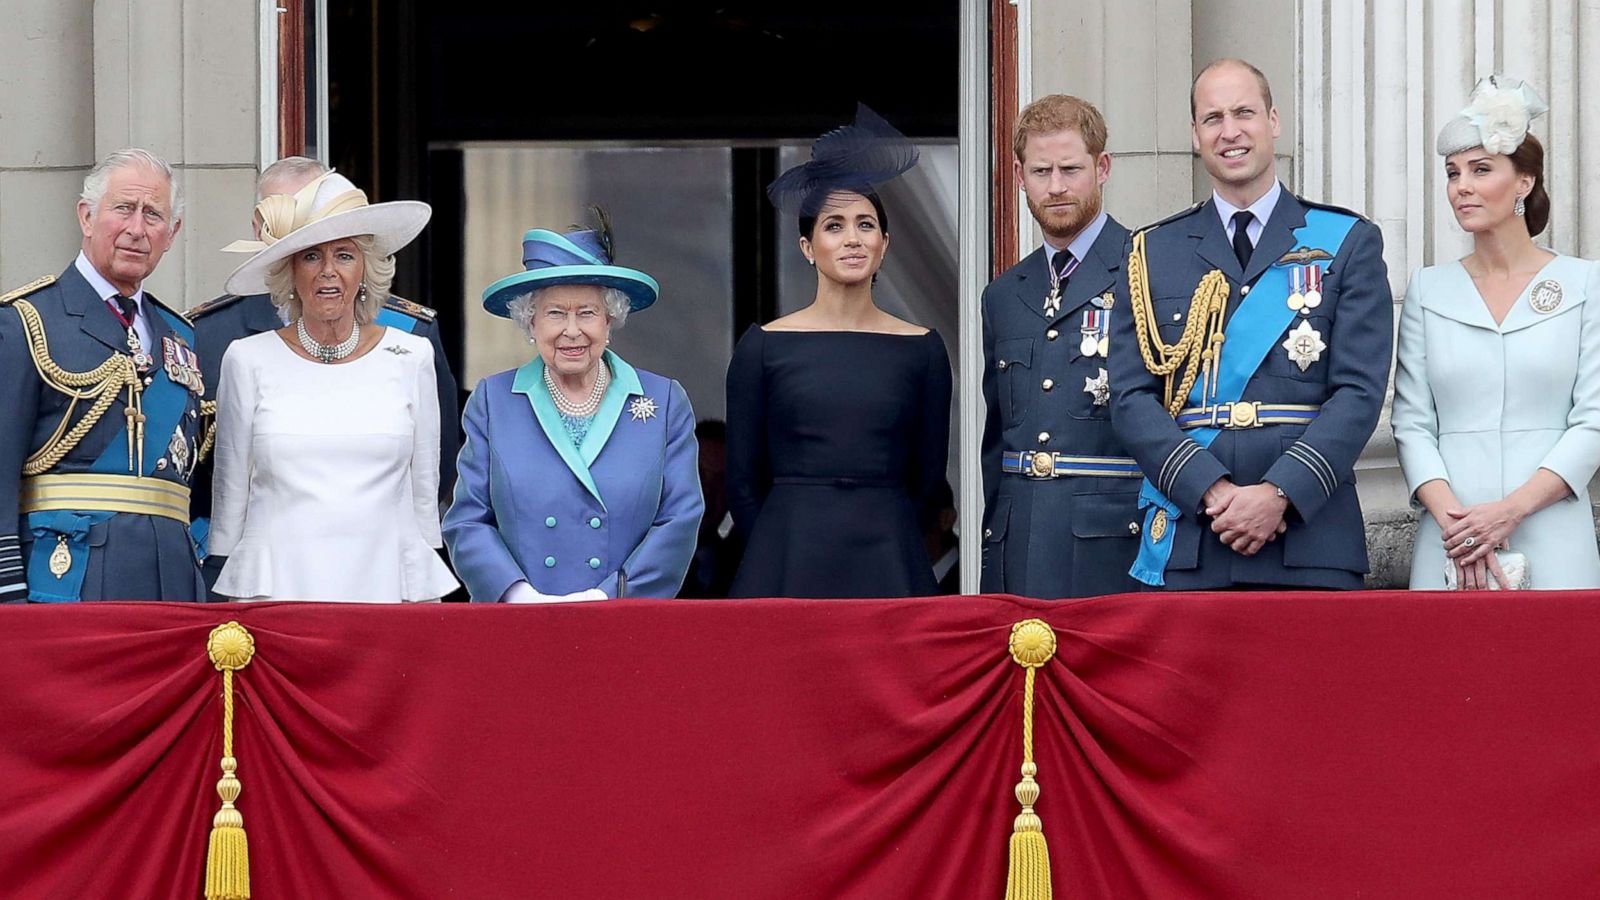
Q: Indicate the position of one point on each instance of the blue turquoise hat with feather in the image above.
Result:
(577, 256)
(860, 157)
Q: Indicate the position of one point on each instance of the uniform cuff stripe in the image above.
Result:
(1298, 455)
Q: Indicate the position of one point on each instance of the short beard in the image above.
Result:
(1066, 229)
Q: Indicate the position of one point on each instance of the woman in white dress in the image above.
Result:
(1497, 393)
(327, 455)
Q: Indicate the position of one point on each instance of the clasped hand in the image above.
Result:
(1246, 518)
(1472, 535)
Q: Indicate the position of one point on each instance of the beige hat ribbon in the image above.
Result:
(283, 214)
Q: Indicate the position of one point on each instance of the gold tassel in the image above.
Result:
(228, 857)
(1033, 643)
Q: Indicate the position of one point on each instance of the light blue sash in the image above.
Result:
(1251, 333)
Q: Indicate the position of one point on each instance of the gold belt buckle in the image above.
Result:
(1242, 415)
(1042, 464)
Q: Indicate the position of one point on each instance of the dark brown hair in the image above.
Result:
(1528, 159)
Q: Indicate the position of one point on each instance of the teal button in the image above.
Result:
(594, 522)
(549, 562)
(594, 562)
(550, 522)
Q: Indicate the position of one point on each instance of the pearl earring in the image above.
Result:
(811, 262)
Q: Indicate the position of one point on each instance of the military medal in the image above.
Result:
(181, 363)
(1098, 387)
(1297, 297)
(1545, 296)
(1304, 346)
(1052, 302)
(60, 558)
(1094, 330)
(1158, 526)
(1313, 288)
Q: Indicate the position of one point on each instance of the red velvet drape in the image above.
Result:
(1311, 745)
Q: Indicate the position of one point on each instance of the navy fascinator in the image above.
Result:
(858, 157)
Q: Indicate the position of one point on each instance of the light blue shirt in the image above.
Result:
(1080, 245)
(141, 322)
(1261, 210)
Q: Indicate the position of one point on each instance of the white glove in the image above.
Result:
(523, 592)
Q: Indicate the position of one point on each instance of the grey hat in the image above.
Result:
(1496, 119)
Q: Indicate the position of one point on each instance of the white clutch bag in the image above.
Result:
(1514, 564)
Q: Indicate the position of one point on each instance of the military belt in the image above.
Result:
(1247, 414)
(1049, 464)
(106, 493)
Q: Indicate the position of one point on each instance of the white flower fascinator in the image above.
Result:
(1496, 119)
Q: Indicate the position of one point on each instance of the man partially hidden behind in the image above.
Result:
(1060, 491)
(220, 322)
(1252, 368)
(103, 408)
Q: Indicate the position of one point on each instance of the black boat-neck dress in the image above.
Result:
(837, 441)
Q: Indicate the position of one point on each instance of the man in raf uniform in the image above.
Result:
(220, 322)
(1060, 493)
(1252, 367)
(103, 415)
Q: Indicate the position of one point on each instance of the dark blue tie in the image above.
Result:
(1241, 236)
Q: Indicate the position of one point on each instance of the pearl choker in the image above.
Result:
(328, 353)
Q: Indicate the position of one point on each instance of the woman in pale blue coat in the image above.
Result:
(1497, 393)
(578, 479)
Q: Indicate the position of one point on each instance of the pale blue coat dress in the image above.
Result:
(1484, 406)
(620, 512)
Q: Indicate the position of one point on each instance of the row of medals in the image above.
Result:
(1095, 330)
(178, 446)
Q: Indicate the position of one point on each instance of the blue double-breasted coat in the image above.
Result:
(620, 513)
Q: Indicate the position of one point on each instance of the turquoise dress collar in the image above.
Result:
(529, 382)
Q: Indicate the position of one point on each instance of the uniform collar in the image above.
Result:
(1261, 209)
(101, 286)
(1079, 247)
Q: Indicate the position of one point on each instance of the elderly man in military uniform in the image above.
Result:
(1252, 367)
(1060, 492)
(103, 408)
(225, 319)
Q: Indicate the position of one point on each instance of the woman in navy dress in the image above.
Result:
(838, 415)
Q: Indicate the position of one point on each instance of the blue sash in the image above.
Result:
(164, 403)
(1251, 333)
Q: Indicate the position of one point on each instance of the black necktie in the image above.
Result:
(1062, 263)
(129, 308)
(1241, 237)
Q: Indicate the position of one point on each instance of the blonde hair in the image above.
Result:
(1060, 112)
(377, 276)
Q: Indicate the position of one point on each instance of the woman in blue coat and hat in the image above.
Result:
(578, 479)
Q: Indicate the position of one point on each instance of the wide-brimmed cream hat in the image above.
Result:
(327, 209)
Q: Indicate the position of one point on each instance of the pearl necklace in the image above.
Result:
(589, 405)
(328, 353)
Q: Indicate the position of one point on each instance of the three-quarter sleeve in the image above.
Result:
(657, 566)
(931, 454)
(471, 527)
(425, 446)
(230, 485)
(1415, 419)
(749, 474)
(1577, 453)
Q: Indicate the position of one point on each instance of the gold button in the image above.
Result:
(1048, 384)
(1044, 437)
(1244, 291)
(1052, 334)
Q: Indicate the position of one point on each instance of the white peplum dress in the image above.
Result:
(327, 476)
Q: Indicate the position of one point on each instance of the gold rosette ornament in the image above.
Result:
(1033, 643)
(230, 648)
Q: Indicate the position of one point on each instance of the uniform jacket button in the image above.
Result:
(1244, 291)
(550, 521)
(1052, 334)
(549, 562)
(1133, 528)
(1001, 365)
(988, 533)
(1048, 384)
(1044, 437)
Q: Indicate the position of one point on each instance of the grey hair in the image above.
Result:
(523, 306)
(378, 276)
(99, 177)
(290, 167)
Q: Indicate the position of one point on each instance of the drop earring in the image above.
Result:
(1521, 209)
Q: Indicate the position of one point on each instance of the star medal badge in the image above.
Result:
(1098, 387)
(642, 409)
(1052, 302)
(1304, 346)
(1545, 296)
(1313, 280)
(181, 363)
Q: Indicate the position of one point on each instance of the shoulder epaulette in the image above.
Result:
(1312, 204)
(39, 283)
(414, 310)
(157, 301)
(212, 305)
(1182, 213)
